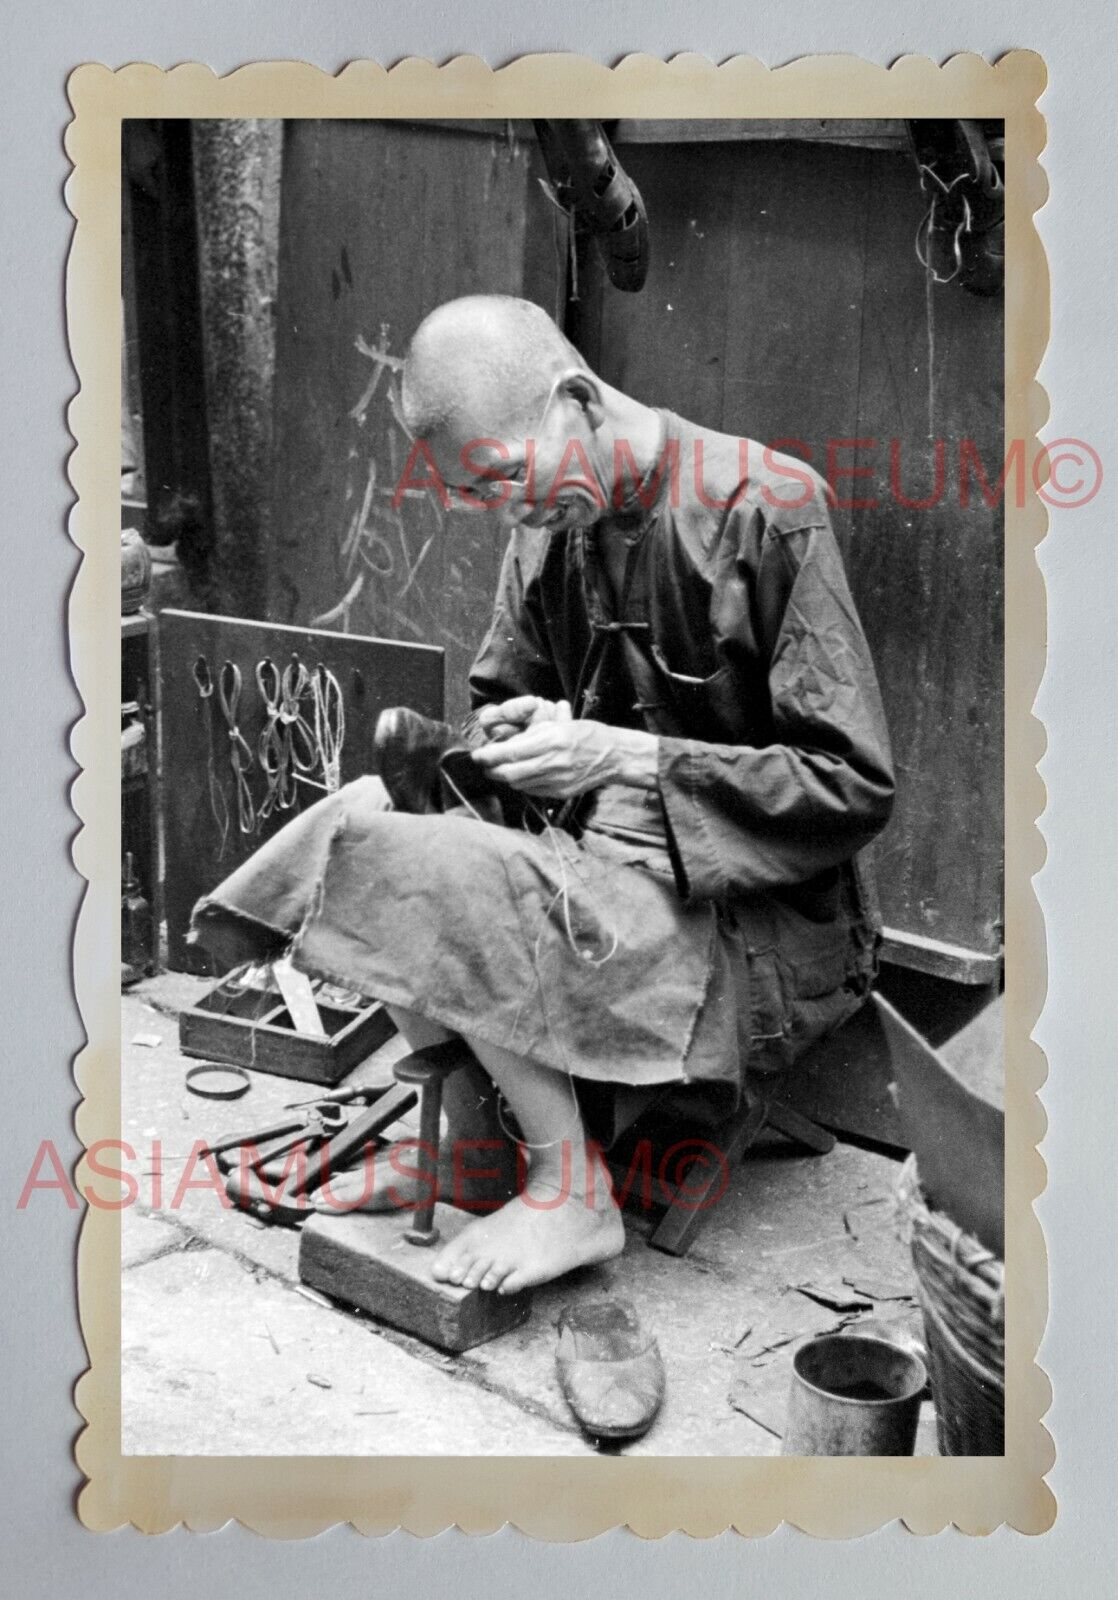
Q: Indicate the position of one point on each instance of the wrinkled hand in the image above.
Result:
(513, 716)
(556, 757)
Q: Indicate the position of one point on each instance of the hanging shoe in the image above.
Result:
(588, 179)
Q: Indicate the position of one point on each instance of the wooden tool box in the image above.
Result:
(253, 1028)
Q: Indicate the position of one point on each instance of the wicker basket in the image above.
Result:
(961, 1290)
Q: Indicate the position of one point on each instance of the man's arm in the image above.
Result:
(743, 818)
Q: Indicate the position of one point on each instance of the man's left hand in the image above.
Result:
(562, 758)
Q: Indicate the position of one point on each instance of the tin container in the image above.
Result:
(853, 1397)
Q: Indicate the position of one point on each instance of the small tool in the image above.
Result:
(286, 748)
(219, 805)
(240, 756)
(370, 1261)
(311, 1130)
(249, 1187)
(338, 1097)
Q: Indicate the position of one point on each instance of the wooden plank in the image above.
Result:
(792, 354)
(198, 850)
(666, 345)
(742, 279)
(942, 960)
(929, 582)
(381, 222)
(869, 132)
(805, 314)
(872, 132)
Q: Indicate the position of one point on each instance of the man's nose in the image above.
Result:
(511, 514)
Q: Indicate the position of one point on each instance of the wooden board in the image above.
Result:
(878, 132)
(930, 583)
(785, 301)
(380, 223)
(198, 852)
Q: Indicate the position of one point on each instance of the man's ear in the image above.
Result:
(583, 388)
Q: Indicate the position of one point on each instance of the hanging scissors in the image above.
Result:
(297, 685)
(240, 756)
(329, 725)
(272, 745)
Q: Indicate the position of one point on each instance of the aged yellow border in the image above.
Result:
(550, 1499)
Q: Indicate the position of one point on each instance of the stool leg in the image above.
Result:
(794, 1125)
(678, 1226)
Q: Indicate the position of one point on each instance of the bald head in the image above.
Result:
(485, 364)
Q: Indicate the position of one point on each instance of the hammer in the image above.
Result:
(427, 1070)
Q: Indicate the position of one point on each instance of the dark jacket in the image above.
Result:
(739, 644)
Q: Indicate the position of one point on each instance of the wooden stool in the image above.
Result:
(803, 1104)
(688, 1206)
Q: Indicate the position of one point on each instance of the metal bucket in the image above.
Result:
(853, 1397)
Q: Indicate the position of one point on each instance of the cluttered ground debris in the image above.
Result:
(225, 1352)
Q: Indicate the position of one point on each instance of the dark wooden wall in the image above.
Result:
(784, 302)
(380, 223)
(205, 834)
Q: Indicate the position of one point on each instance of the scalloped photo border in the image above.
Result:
(547, 1498)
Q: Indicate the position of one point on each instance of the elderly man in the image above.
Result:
(677, 688)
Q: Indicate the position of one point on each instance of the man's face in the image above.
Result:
(541, 476)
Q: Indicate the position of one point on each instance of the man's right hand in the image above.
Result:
(499, 722)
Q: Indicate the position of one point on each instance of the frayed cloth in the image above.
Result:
(577, 955)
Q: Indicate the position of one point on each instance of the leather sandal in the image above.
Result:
(610, 1370)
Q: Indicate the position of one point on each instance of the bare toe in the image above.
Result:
(452, 1267)
(494, 1277)
(479, 1270)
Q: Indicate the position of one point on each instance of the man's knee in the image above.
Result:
(367, 792)
(418, 1031)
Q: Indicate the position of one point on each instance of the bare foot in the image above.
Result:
(544, 1232)
(385, 1181)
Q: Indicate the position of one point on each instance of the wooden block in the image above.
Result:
(365, 1261)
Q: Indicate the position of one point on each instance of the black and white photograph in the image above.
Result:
(562, 935)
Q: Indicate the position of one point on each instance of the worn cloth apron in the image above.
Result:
(574, 953)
